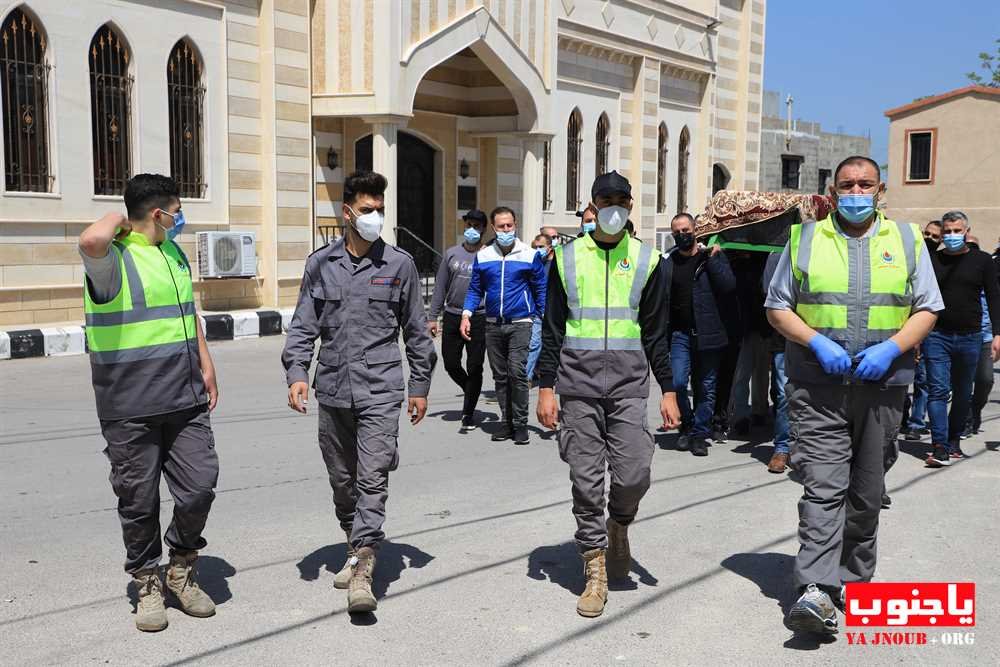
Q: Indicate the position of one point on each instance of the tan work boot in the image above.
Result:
(595, 595)
(619, 556)
(181, 582)
(343, 578)
(359, 590)
(150, 613)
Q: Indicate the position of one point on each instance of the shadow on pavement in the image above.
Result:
(916, 449)
(561, 564)
(212, 573)
(772, 574)
(757, 449)
(392, 559)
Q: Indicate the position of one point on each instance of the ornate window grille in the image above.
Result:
(24, 91)
(574, 147)
(603, 145)
(683, 151)
(661, 170)
(110, 111)
(187, 121)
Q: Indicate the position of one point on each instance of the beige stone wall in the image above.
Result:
(966, 174)
(738, 91)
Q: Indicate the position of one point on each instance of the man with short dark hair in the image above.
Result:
(588, 219)
(699, 278)
(450, 287)
(952, 349)
(606, 325)
(155, 385)
(510, 275)
(358, 293)
(852, 294)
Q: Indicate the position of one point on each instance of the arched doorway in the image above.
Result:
(415, 194)
(720, 178)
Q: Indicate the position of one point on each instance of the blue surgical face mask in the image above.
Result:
(589, 227)
(472, 235)
(179, 223)
(542, 252)
(506, 239)
(855, 209)
(953, 241)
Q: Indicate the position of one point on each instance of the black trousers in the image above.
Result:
(470, 378)
(180, 447)
(983, 384)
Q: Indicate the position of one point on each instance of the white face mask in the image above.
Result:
(612, 219)
(369, 225)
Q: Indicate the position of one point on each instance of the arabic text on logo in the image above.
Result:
(922, 604)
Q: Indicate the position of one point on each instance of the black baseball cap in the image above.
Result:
(608, 184)
(475, 214)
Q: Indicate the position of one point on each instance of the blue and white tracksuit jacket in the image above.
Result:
(514, 284)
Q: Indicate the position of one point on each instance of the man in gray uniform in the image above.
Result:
(606, 322)
(357, 293)
(450, 286)
(853, 294)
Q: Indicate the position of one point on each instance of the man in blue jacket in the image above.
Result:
(511, 275)
(697, 278)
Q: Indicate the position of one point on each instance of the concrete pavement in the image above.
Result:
(479, 568)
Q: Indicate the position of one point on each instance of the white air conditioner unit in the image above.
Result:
(227, 254)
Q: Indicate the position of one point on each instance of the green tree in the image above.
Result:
(990, 63)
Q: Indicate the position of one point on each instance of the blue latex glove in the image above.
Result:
(832, 357)
(875, 360)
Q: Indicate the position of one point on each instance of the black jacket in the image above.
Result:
(713, 280)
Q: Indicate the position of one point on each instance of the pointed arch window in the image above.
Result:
(110, 111)
(683, 152)
(661, 169)
(24, 95)
(186, 97)
(574, 148)
(603, 145)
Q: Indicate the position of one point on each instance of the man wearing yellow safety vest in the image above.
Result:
(606, 322)
(154, 382)
(853, 294)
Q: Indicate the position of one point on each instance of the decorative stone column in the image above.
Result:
(532, 173)
(385, 131)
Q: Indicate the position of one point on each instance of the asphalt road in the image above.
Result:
(479, 567)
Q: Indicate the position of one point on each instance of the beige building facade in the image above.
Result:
(944, 154)
(459, 103)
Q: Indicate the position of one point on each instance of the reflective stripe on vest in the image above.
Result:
(603, 291)
(144, 341)
(854, 291)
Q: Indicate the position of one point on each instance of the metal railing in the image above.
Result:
(425, 257)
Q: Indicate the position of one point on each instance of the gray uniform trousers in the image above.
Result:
(182, 447)
(359, 447)
(599, 433)
(841, 436)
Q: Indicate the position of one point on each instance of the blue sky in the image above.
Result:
(847, 62)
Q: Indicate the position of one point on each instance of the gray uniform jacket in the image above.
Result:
(357, 314)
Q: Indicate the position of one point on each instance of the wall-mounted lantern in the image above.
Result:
(332, 159)
(463, 169)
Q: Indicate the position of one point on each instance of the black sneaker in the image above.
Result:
(911, 435)
(886, 501)
(814, 611)
(720, 432)
(699, 447)
(505, 433)
(683, 442)
(939, 458)
(521, 435)
(967, 433)
(956, 453)
(468, 423)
